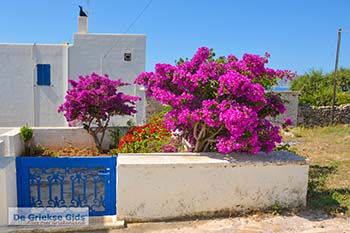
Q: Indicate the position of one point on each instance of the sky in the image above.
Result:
(300, 35)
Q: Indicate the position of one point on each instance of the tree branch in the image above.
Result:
(104, 131)
(195, 135)
(202, 132)
(216, 133)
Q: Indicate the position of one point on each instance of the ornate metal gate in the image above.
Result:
(68, 182)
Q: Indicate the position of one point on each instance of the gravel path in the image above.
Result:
(303, 223)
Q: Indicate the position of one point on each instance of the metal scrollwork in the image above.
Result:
(68, 187)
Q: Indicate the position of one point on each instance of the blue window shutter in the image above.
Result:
(43, 74)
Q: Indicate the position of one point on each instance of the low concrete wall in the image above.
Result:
(61, 137)
(4, 130)
(291, 108)
(152, 107)
(52, 138)
(8, 187)
(13, 143)
(166, 186)
(2, 148)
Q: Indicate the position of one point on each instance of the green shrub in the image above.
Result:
(26, 133)
(316, 88)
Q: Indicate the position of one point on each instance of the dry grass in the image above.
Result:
(328, 149)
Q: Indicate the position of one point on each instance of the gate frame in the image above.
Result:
(23, 164)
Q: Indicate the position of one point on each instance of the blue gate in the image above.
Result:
(68, 182)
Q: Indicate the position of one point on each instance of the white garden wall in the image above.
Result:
(163, 186)
(2, 148)
(12, 143)
(61, 137)
(65, 137)
(4, 130)
(292, 108)
(8, 197)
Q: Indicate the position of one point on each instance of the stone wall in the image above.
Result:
(310, 116)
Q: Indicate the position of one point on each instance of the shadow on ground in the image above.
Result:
(332, 202)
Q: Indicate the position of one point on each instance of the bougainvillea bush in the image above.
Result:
(219, 104)
(149, 138)
(93, 100)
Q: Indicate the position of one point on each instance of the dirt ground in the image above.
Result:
(265, 223)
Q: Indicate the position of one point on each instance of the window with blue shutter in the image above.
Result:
(43, 74)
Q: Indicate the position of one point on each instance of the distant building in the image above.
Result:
(34, 77)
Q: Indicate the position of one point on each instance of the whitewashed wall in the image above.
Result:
(16, 85)
(12, 143)
(65, 137)
(23, 101)
(164, 186)
(292, 108)
(2, 148)
(4, 130)
(48, 98)
(62, 137)
(88, 54)
(8, 187)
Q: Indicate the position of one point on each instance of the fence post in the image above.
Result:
(335, 75)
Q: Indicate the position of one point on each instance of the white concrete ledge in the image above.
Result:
(52, 138)
(2, 148)
(63, 137)
(13, 143)
(165, 186)
(8, 187)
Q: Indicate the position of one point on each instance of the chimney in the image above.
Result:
(82, 25)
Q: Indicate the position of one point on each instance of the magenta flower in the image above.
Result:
(93, 100)
(287, 122)
(219, 105)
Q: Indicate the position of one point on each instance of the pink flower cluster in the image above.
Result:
(95, 98)
(219, 105)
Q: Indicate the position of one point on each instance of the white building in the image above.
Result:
(34, 77)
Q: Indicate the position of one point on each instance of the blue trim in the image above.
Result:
(19, 182)
(113, 185)
(108, 176)
(43, 74)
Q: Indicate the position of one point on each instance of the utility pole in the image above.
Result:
(335, 75)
